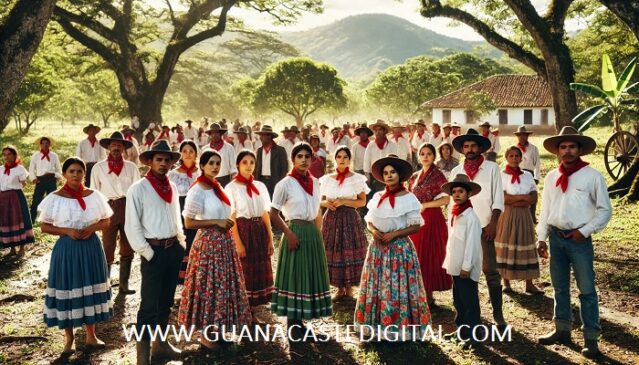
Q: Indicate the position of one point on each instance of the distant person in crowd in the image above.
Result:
(242, 142)
(272, 164)
(202, 138)
(149, 138)
(131, 153)
(44, 171)
(165, 134)
(436, 137)
(381, 148)
(190, 132)
(446, 162)
(337, 139)
(403, 147)
(226, 150)
(318, 160)
(490, 153)
(89, 150)
(530, 160)
(419, 137)
(358, 149)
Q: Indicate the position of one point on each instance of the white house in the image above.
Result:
(519, 99)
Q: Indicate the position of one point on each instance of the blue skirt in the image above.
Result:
(78, 291)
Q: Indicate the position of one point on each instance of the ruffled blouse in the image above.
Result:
(203, 204)
(352, 186)
(290, 198)
(14, 180)
(182, 180)
(65, 212)
(245, 206)
(387, 219)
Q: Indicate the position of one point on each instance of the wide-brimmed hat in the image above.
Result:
(568, 133)
(241, 130)
(336, 129)
(435, 124)
(364, 128)
(115, 137)
(462, 180)
(267, 129)
(324, 126)
(86, 129)
(126, 128)
(522, 130)
(379, 124)
(37, 141)
(216, 127)
(285, 130)
(294, 129)
(397, 125)
(485, 124)
(447, 125)
(445, 143)
(420, 122)
(403, 168)
(159, 146)
(471, 135)
(455, 125)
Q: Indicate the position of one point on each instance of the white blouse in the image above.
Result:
(525, 186)
(245, 206)
(387, 219)
(14, 180)
(294, 202)
(203, 204)
(64, 212)
(352, 186)
(182, 180)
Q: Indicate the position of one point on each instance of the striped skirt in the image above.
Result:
(302, 290)
(78, 290)
(345, 242)
(515, 245)
(15, 220)
(258, 272)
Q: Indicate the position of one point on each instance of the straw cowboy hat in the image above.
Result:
(294, 129)
(447, 125)
(462, 180)
(471, 135)
(159, 146)
(324, 126)
(86, 129)
(397, 125)
(336, 129)
(379, 124)
(39, 139)
(267, 129)
(568, 133)
(403, 168)
(420, 122)
(216, 127)
(485, 124)
(115, 137)
(241, 130)
(363, 128)
(522, 130)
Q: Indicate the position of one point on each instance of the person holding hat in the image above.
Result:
(363, 135)
(447, 161)
(436, 138)
(464, 255)
(391, 290)
(89, 150)
(190, 132)
(44, 171)
(488, 204)
(337, 139)
(131, 153)
(318, 160)
(242, 142)
(574, 205)
(154, 229)
(491, 152)
(374, 151)
(272, 164)
(530, 160)
(226, 150)
(420, 136)
(112, 177)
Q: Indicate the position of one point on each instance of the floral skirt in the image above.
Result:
(214, 292)
(430, 244)
(258, 272)
(515, 245)
(345, 242)
(15, 220)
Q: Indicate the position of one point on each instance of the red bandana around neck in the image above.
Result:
(115, 166)
(567, 171)
(45, 154)
(515, 172)
(92, 140)
(189, 170)
(380, 142)
(77, 195)
(180, 137)
(164, 135)
(485, 134)
(217, 188)
(8, 167)
(459, 209)
(472, 166)
(390, 194)
(364, 143)
(306, 181)
(436, 135)
(341, 176)
(241, 138)
(425, 173)
(397, 137)
(335, 139)
(161, 186)
(217, 145)
(522, 147)
(250, 187)
(128, 137)
(148, 143)
(420, 135)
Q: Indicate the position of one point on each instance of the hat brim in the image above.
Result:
(526, 132)
(419, 123)
(146, 156)
(404, 168)
(51, 140)
(221, 131)
(273, 134)
(588, 145)
(483, 142)
(86, 129)
(472, 187)
(377, 126)
(105, 142)
(366, 129)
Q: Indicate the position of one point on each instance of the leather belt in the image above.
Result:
(301, 221)
(254, 219)
(166, 242)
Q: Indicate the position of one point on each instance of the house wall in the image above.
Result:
(515, 116)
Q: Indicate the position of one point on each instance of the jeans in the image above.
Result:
(565, 253)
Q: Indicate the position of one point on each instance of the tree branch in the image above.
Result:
(89, 42)
(171, 13)
(556, 15)
(209, 33)
(86, 21)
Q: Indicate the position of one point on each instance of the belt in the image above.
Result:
(254, 219)
(166, 242)
(46, 176)
(301, 221)
(116, 199)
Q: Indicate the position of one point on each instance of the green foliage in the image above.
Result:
(482, 104)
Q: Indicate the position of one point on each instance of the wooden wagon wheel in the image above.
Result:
(619, 153)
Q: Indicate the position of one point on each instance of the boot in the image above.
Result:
(496, 302)
(561, 337)
(164, 350)
(590, 350)
(143, 353)
(125, 273)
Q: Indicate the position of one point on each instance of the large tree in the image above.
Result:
(21, 31)
(627, 11)
(143, 44)
(534, 39)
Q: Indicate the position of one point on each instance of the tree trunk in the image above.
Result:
(20, 37)
(299, 122)
(560, 73)
(148, 109)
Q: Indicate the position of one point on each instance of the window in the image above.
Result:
(470, 117)
(503, 116)
(544, 117)
(446, 116)
(527, 116)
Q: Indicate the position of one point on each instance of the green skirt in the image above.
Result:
(302, 288)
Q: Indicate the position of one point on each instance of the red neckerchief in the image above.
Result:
(472, 166)
(92, 140)
(148, 143)
(522, 147)
(164, 134)
(217, 188)
(267, 149)
(436, 135)
(341, 176)
(420, 135)
(250, 187)
(380, 142)
(189, 170)
(364, 143)
(323, 133)
(8, 167)
(217, 145)
(390, 194)
(567, 171)
(496, 133)
(425, 173)
(485, 134)
(459, 209)
(335, 139)
(515, 172)
(180, 137)
(306, 181)
(397, 137)
(45, 154)
(161, 186)
(115, 166)
(241, 138)
(128, 137)
(77, 195)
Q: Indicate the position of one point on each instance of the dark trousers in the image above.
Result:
(45, 186)
(87, 176)
(493, 279)
(110, 235)
(270, 183)
(466, 301)
(159, 280)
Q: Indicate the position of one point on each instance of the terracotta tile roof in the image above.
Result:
(505, 90)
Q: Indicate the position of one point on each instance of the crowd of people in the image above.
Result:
(200, 206)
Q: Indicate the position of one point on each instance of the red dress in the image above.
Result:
(318, 164)
(430, 240)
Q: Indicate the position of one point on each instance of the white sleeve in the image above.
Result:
(280, 195)
(473, 244)
(603, 208)
(542, 226)
(133, 225)
(193, 205)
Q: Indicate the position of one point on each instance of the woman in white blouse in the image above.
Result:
(302, 289)
(15, 220)
(342, 228)
(183, 176)
(252, 232)
(78, 290)
(515, 242)
(214, 293)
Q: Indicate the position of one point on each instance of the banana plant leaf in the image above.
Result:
(589, 89)
(582, 119)
(608, 78)
(632, 87)
(626, 75)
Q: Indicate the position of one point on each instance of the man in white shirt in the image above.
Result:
(228, 170)
(89, 150)
(190, 132)
(381, 147)
(154, 229)
(131, 153)
(488, 204)
(242, 141)
(574, 205)
(436, 138)
(113, 177)
(44, 171)
(337, 139)
(324, 135)
(419, 137)
(358, 149)
(530, 160)
(491, 153)
(403, 147)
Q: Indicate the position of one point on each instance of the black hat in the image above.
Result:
(115, 137)
(159, 146)
(471, 135)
